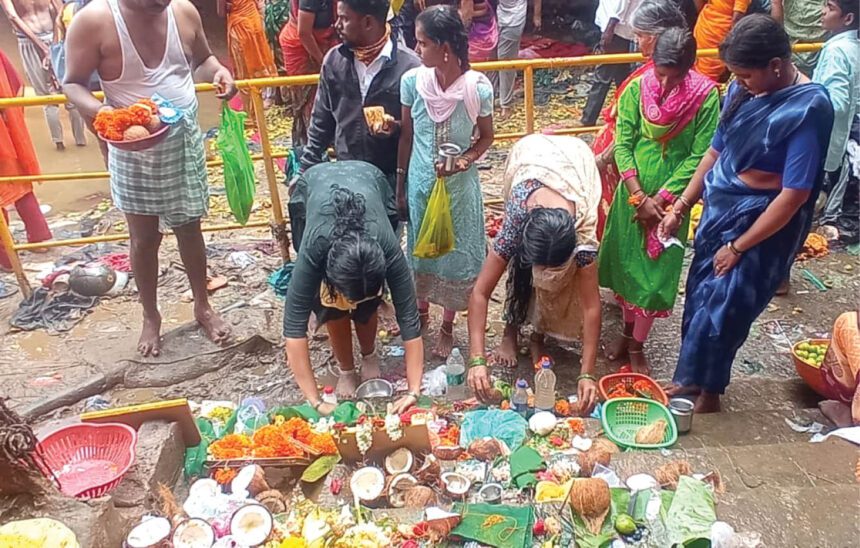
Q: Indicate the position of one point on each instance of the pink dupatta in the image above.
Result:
(441, 103)
(681, 105)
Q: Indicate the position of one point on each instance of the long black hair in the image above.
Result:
(675, 48)
(752, 44)
(355, 265)
(548, 240)
(443, 25)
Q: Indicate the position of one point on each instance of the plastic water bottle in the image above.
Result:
(455, 376)
(328, 395)
(520, 398)
(545, 386)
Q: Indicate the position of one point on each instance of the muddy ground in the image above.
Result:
(35, 364)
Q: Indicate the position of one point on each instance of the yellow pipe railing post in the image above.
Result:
(529, 92)
(12, 254)
(279, 226)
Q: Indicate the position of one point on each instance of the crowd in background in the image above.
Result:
(758, 151)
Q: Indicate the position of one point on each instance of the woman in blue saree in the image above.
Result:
(759, 181)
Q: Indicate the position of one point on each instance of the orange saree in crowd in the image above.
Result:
(713, 25)
(18, 157)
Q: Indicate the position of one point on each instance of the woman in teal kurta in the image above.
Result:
(444, 102)
(666, 119)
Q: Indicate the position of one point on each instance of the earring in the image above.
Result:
(777, 72)
(445, 59)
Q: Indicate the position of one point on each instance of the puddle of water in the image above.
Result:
(38, 346)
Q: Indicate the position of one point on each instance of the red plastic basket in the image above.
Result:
(608, 382)
(89, 460)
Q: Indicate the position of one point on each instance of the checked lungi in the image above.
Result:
(168, 181)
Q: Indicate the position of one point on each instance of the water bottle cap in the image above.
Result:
(546, 365)
(455, 351)
(522, 383)
(328, 390)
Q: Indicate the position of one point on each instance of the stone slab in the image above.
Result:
(811, 517)
(746, 428)
(159, 459)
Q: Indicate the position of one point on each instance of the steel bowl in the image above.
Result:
(374, 388)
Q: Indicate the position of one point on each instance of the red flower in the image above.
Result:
(539, 529)
(557, 441)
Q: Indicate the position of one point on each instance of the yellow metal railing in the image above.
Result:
(278, 221)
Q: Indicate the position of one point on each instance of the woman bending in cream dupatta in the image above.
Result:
(548, 243)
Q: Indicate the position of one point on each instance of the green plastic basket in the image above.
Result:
(622, 417)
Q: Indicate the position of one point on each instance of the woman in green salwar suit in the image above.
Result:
(666, 119)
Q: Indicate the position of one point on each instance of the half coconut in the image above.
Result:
(251, 525)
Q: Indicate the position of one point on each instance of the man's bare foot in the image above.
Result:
(836, 412)
(638, 361)
(424, 319)
(370, 367)
(504, 114)
(388, 319)
(506, 353)
(213, 325)
(618, 349)
(445, 342)
(673, 390)
(537, 346)
(707, 403)
(347, 382)
(149, 343)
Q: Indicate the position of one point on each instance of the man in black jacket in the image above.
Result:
(364, 71)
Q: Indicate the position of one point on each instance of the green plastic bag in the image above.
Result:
(239, 180)
(436, 235)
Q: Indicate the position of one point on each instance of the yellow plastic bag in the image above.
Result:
(436, 235)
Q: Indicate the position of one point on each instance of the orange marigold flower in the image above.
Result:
(224, 475)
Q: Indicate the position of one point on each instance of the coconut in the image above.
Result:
(273, 500)
(669, 474)
(154, 124)
(397, 487)
(430, 471)
(651, 434)
(399, 462)
(606, 445)
(134, 133)
(367, 483)
(486, 449)
(251, 525)
(193, 533)
(542, 423)
(149, 533)
(440, 523)
(590, 499)
(590, 458)
(447, 452)
(251, 479)
(419, 497)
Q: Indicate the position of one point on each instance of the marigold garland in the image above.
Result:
(225, 475)
(111, 124)
(274, 440)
